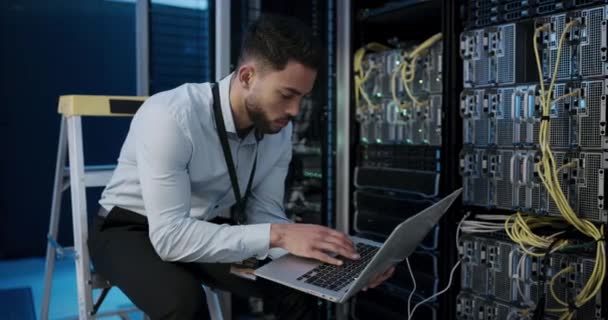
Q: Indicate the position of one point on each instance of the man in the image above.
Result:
(197, 151)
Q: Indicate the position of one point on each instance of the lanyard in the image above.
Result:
(238, 210)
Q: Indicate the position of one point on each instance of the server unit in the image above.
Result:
(483, 13)
(497, 271)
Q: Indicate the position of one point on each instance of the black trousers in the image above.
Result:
(121, 251)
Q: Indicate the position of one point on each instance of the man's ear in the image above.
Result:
(245, 75)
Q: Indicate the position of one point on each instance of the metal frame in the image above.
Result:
(54, 221)
(452, 144)
(328, 151)
(79, 215)
(343, 118)
(222, 68)
(74, 177)
(222, 39)
(343, 113)
(142, 46)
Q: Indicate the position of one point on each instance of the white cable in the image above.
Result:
(486, 223)
(409, 299)
(482, 224)
(478, 231)
(520, 274)
(438, 293)
(411, 314)
(499, 217)
(460, 226)
(476, 226)
(480, 227)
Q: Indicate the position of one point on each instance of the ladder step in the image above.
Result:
(95, 176)
(61, 251)
(69, 252)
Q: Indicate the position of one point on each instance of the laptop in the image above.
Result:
(339, 283)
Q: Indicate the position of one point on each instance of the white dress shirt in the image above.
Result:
(172, 170)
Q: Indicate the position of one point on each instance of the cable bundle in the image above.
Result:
(520, 227)
(407, 70)
(361, 76)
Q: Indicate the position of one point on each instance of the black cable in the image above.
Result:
(572, 306)
(539, 312)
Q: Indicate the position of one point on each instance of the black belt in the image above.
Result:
(126, 217)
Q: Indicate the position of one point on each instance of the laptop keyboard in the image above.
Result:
(334, 277)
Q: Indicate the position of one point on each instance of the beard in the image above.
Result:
(260, 119)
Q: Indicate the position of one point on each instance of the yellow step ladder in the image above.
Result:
(77, 177)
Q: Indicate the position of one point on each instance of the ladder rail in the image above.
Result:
(213, 303)
(79, 216)
(54, 219)
(77, 177)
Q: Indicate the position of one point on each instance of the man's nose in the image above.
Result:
(294, 108)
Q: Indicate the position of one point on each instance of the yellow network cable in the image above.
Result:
(360, 76)
(571, 94)
(551, 288)
(520, 231)
(398, 72)
(567, 165)
(521, 228)
(550, 179)
(394, 75)
(425, 45)
(408, 67)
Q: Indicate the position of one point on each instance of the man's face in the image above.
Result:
(274, 96)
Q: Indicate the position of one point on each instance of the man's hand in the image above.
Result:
(380, 278)
(312, 241)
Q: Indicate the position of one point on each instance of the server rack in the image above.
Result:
(490, 124)
(370, 155)
(534, 150)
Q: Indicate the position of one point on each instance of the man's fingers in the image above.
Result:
(332, 247)
(381, 278)
(342, 239)
(342, 248)
(321, 256)
(376, 282)
(389, 273)
(340, 236)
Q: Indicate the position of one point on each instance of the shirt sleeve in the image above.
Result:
(265, 204)
(163, 152)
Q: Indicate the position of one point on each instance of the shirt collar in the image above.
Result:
(224, 88)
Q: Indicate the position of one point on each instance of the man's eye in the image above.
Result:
(286, 96)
